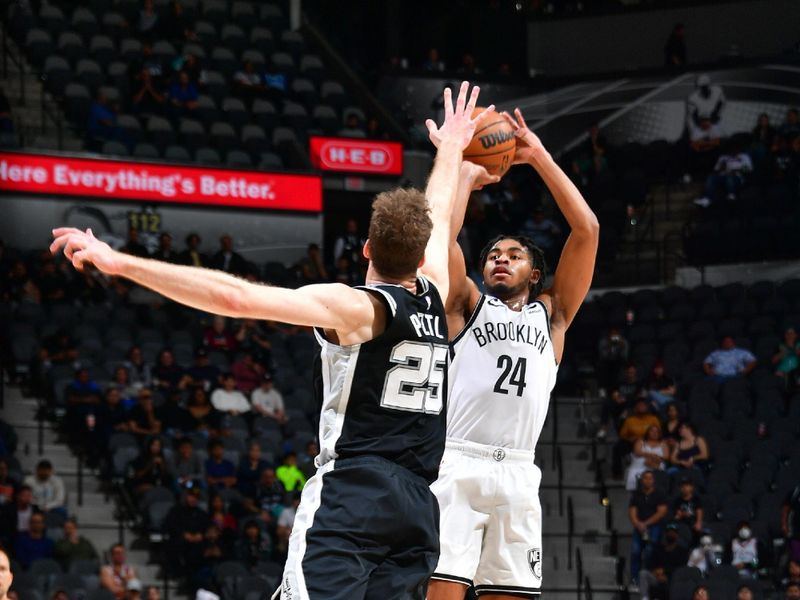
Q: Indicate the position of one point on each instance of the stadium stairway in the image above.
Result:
(39, 121)
(577, 524)
(95, 509)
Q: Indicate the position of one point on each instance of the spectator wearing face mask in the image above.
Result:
(744, 551)
(706, 556)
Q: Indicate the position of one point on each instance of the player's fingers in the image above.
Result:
(461, 101)
(90, 234)
(431, 125)
(57, 244)
(60, 231)
(483, 113)
(448, 103)
(510, 120)
(520, 118)
(77, 260)
(473, 100)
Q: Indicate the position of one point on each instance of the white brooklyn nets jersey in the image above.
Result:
(501, 373)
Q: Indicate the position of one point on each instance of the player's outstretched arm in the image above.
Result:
(330, 306)
(576, 266)
(450, 140)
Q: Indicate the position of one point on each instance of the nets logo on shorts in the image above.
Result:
(535, 561)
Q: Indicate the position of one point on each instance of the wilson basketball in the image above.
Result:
(493, 144)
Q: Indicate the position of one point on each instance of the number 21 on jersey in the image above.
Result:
(416, 382)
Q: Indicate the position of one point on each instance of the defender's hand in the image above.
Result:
(459, 125)
(529, 146)
(82, 247)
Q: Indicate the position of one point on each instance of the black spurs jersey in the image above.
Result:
(387, 396)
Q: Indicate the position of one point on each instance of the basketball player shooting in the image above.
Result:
(505, 349)
(367, 525)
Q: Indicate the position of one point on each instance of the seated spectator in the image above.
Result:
(701, 593)
(186, 465)
(133, 246)
(286, 524)
(214, 550)
(691, 451)
(434, 61)
(227, 259)
(633, 428)
(167, 375)
(646, 510)
(248, 83)
(306, 460)
(706, 102)
(133, 591)
(148, 18)
(729, 361)
(289, 474)
(83, 390)
(218, 337)
(270, 494)
(73, 546)
(792, 591)
(151, 468)
(48, 488)
(203, 373)
(138, 370)
(149, 98)
(186, 524)
(102, 123)
(247, 373)
(612, 354)
(222, 518)
(252, 337)
(121, 382)
(790, 128)
(744, 592)
(33, 544)
(220, 472)
(729, 176)
(687, 507)
(791, 573)
(352, 127)
(666, 557)
(649, 454)
(311, 269)
(115, 575)
(191, 255)
(268, 401)
(203, 417)
(111, 416)
(704, 140)
(249, 471)
(183, 95)
(744, 551)
(165, 252)
(790, 524)
(661, 387)
(7, 485)
(254, 546)
(228, 399)
(706, 555)
(174, 418)
(15, 517)
(787, 356)
(764, 139)
(142, 419)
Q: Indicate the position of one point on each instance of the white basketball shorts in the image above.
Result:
(491, 519)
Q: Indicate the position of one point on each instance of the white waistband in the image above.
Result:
(493, 453)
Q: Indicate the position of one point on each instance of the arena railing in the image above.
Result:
(560, 475)
(579, 571)
(587, 585)
(570, 531)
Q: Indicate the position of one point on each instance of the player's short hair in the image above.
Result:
(534, 253)
(399, 230)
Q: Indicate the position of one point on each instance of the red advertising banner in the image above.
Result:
(356, 156)
(108, 179)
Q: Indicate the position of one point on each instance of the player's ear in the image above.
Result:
(535, 276)
(365, 251)
(421, 262)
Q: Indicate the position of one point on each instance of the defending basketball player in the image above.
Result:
(367, 525)
(505, 349)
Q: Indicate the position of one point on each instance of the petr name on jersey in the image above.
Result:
(515, 332)
(427, 325)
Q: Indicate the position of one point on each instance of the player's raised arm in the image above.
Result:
(331, 306)
(450, 140)
(576, 265)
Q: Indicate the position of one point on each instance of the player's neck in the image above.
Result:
(516, 301)
(375, 278)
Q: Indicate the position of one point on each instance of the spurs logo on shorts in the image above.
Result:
(535, 561)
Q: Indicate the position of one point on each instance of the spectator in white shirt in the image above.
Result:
(267, 401)
(729, 176)
(48, 488)
(705, 102)
(228, 399)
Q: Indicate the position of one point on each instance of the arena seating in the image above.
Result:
(83, 50)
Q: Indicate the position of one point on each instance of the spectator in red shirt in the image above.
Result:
(218, 337)
(248, 373)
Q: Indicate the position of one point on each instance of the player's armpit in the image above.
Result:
(464, 293)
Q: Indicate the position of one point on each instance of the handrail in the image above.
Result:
(560, 474)
(587, 584)
(570, 531)
(579, 570)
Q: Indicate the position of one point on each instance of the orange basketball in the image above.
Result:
(493, 144)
